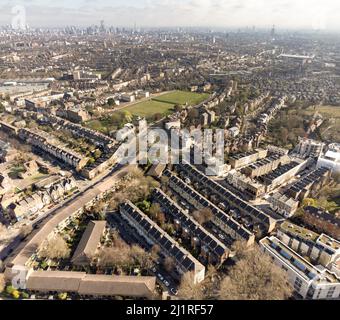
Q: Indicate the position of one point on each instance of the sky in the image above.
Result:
(295, 14)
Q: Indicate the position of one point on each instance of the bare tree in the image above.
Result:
(155, 250)
(169, 264)
(155, 209)
(54, 248)
(240, 249)
(3, 229)
(165, 182)
(113, 257)
(188, 289)
(140, 257)
(203, 216)
(118, 242)
(25, 231)
(255, 277)
(99, 209)
(336, 177)
(2, 282)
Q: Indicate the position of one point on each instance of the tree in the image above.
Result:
(97, 153)
(54, 248)
(188, 289)
(240, 249)
(16, 294)
(255, 277)
(111, 102)
(169, 264)
(2, 282)
(284, 135)
(165, 182)
(161, 218)
(336, 177)
(99, 210)
(144, 205)
(202, 216)
(3, 229)
(25, 231)
(307, 202)
(193, 114)
(140, 257)
(113, 257)
(155, 209)
(155, 250)
(178, 108)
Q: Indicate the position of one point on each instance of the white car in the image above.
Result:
(160, 277)
(174, 291)
(167, 284)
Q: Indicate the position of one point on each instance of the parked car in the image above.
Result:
(160, 277)
(167, 284)
(174, 291)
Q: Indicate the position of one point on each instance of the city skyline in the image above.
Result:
(285, 14)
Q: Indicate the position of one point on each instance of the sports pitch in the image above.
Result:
(164, 104)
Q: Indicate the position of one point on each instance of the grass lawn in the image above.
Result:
(183, 97)
(329, 111)
(331, 130)
(149, 108)
(103, 126)
(163, 105)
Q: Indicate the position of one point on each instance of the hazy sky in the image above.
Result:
(316, 14)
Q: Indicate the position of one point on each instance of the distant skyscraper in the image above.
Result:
(272, 32)
(102, 26)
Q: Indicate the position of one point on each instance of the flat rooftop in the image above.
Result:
(296, 230)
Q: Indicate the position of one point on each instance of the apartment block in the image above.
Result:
(243, 159)
(319, 248)
(283, 205)
(221, 219)
(211, 247)
(283, 174)
(224, 195)
(315, 180)
(153, 234)
(245, 184)
(309, 148)
(69, 157)
(266, 165)
(308, 281)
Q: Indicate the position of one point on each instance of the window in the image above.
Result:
(297, 284)
(330, 292)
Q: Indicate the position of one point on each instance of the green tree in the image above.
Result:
(111, 102)
(144, 205)
(15, 294)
